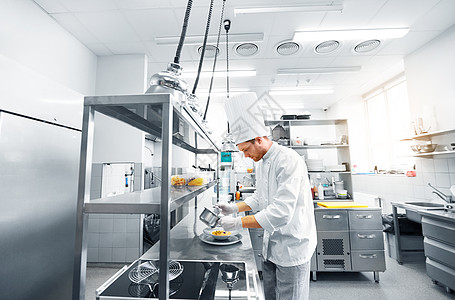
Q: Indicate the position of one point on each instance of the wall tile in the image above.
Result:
(418, 180)
(441, 165)
(119, 239)
(105, 254)
(442, 180)
(133, 240)
(119, 225)
(93, 239)
(92, 255)
(106, 225)
(429, 178)
(93, 224)
(106, 239)
(451, 164)
(119, 255)
(452, 179)
(132, 225)
(419, 165)
(419, 192)
(428, 165)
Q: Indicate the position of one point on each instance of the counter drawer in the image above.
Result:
(441, 273)
(328, 220)
(438, 229)
(365, 219)
(256, 236)
(368, 260)
(440, 252)
(367, 240)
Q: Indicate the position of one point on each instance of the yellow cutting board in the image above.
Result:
(341, 204)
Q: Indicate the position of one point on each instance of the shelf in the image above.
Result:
(144, 202)
(435, 153)
(319, 146)
(144, 112)
(425, 136)
(304, 122)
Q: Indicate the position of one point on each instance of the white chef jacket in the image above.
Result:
(283, 189)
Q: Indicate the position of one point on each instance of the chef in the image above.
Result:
(283, 198)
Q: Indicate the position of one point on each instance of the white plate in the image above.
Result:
(233, 239)
(208, 231)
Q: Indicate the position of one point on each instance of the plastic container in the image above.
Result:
(321, 191)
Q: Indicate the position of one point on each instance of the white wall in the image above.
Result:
(430, 72)
(115, 141)
(31, 38)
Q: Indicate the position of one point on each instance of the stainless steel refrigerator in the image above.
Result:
(39, 164)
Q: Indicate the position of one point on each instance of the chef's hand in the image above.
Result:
(230, 223)
(227, 209)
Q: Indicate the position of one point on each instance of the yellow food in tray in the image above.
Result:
(196, 181)
(221, 233)
(177, 180)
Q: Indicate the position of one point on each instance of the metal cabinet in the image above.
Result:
(439, 246)
(256, 236)
(349, 240)
(158, 116)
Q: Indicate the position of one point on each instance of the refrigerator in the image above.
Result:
(39, 163)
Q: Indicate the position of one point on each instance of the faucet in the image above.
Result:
(441, 195)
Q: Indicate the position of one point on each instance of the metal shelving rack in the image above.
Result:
(157, 115)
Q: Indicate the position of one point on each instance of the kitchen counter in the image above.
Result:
(439, 214)
(186, 245)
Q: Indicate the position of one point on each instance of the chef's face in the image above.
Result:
(253, 149)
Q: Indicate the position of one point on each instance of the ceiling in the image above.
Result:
(116, 27)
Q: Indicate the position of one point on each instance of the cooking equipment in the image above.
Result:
(191, 283)
(210, 218)
(144, 272)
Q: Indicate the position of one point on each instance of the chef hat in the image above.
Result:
(245, 119)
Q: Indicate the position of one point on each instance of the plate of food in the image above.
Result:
(219, 236)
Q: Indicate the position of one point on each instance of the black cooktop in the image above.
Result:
(199, 280)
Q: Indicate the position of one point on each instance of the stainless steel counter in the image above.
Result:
(185, 245)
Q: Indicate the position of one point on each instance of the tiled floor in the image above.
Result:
(407, 281)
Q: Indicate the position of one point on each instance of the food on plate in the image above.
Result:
(221, 233)
(177, 180)
(196, 181)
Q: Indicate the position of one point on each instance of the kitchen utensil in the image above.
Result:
(210, 218)
(148, 273)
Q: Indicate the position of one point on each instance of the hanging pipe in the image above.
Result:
(214, 60)
(183, 34)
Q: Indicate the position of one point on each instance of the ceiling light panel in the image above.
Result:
(298, 71)
(198, 39)
(289, 9)
(351, 34)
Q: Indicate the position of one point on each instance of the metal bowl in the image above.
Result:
(415, 148)
(428, 148)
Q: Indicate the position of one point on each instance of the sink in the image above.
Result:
(413, 214)
(426, 204)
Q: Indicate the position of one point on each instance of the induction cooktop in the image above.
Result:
(203, 280)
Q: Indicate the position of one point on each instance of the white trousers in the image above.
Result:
(286, 283)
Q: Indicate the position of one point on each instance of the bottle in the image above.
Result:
(312, 188)
(321, 191)
(237, 193)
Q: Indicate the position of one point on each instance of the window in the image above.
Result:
(389, 121)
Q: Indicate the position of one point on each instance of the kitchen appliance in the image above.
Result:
(209, 217)
(198, 280)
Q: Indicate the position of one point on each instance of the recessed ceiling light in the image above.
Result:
(287, 48)
(210, 50)
(327, 47)
(246, 49)
(350, 34)
(367, 46)
(297, 71)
